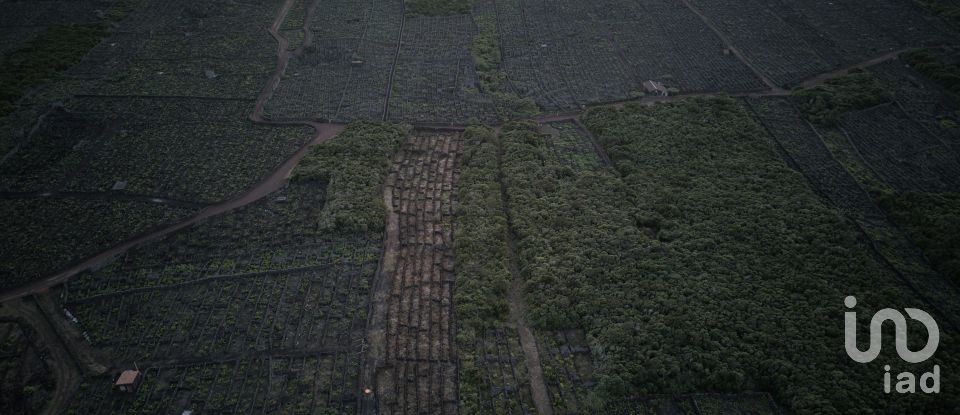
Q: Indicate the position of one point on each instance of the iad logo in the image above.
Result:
(906, 381)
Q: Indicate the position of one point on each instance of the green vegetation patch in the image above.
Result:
(487, 59)
(354, 165)
(824, 104)
(933, 222)
(436, 7)
(928, 64)
(483, 278)
(703, 264)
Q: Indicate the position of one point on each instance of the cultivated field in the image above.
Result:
(472, 206)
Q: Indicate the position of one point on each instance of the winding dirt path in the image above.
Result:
(64, 368)
(824, 77)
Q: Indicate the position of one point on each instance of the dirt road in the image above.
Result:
(64, 368)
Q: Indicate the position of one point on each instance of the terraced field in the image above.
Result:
(419, 368)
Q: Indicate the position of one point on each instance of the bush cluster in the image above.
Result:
(353, 165)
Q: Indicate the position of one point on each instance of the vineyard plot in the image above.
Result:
(288, 383)
(803, 147)
(419, 373)
(571, 145)
(22, 21)
(182, 48)
(345, 72)
(24, 366)
(309, 310)
(753, 403)
(793, 41)
(571, 53)
(259, 310)
(845, 33)
(276, 234)
(902, 151)
(807, 153)
(435, 79)
(775, 47)
(504, 383)
(568, 367)
(178, 148)
(41, 236)
(923, 100)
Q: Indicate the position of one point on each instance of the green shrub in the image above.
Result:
(824, 104)
(482, 274)
(353, 165)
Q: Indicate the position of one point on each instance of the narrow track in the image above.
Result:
(528, 343)
(396, 59)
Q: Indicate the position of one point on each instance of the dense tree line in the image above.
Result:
(353, 166)
(701, 264)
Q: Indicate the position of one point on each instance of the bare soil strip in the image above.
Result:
(412, 340)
